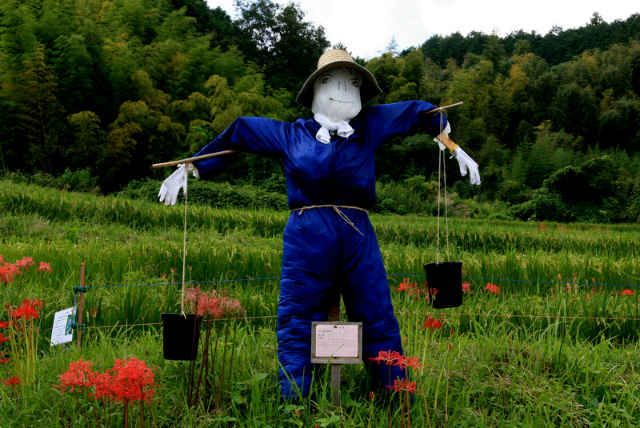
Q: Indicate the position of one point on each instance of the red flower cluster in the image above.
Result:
(77, 377)
(12, 381)
(213, 304)
(626, 292)
(3, 338)
(433, 323)
(44, 267)
(466, 288)
(403, 385)
(412, 289)
(9, 270)
(28, 309)
(129, 380)
(493, 289)
(394, 358)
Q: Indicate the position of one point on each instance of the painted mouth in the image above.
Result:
(341, 102)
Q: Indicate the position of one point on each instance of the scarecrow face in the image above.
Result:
(336, 94)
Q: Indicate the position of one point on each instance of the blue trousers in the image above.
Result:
(324, 255)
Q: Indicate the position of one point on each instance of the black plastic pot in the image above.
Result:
(446, 278)
(181, 334)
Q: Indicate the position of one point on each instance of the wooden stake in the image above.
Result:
(334, 315)
(228, 152)
(80, 308)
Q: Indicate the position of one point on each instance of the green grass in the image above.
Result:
(546, 351)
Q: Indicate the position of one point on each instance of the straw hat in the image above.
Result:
(333, 59)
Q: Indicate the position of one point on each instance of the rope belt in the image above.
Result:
(336, 208)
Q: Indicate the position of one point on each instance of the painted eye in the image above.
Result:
(324, 80)
(355, 83)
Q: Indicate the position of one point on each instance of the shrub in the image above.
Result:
(218, 195)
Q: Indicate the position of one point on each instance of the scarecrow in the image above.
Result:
(329, 245)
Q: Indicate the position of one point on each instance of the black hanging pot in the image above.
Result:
(444, 280)
(181, 334)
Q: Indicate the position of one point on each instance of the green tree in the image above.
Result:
(74, 67)
(576, 109)
(276, 38)
(89, 139)
(39, 110)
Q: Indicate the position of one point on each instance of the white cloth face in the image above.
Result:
(336, 94)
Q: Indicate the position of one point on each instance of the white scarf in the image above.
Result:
(344, 129)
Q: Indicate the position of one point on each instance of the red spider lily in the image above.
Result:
(411, 288)
(411, 362)
(433, 323)
(626, 292)
(129, 380)
(394, 358)
(405, 285)
(132, 380)
(466, 288)
(12, 381)
(3, 338)
(26, 262)
(28, 309)
(213, 304)
(45, 267)
(433, 292)
(231, 308)
(7, 272)
(77, 377)
(388, 357)
(1, 259)
(493, 289)
(102, 385)
(403, 385)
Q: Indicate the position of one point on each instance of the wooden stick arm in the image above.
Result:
(445, 140)
(197, 158)
(436, 110)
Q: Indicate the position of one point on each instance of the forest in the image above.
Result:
(93, 92)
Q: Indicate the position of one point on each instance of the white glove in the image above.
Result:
(178, 180)
(467, 164)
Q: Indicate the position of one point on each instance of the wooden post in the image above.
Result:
(80, 308)
(334, 315)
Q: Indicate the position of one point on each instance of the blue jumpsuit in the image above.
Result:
(322, 253)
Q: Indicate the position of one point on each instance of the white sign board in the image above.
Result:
(63, 326)
(336, 342)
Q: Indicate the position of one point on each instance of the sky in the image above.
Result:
(367, 27)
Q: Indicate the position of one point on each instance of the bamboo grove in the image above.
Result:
(108, 88)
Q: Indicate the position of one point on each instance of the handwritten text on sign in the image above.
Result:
(337, 341)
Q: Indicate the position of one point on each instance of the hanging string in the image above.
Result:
(446, 208)
(439, 180)
(443, 180)
(184, 243)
